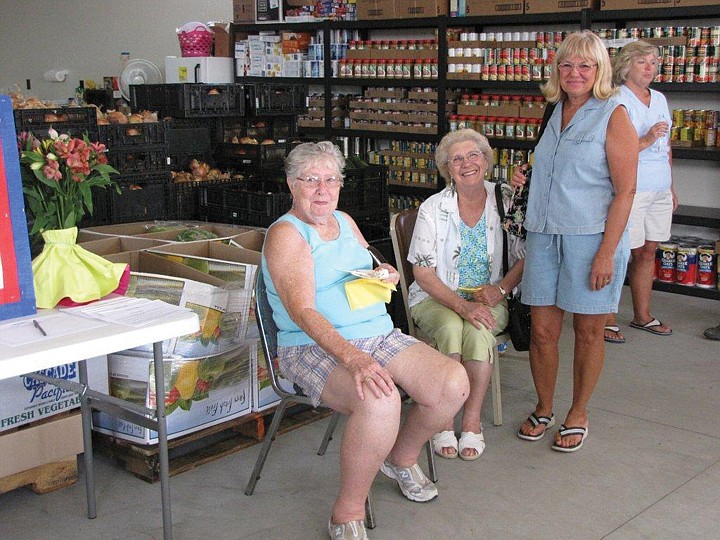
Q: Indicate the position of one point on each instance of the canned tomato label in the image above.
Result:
(686, 265)
(706, 267)
(665, 262)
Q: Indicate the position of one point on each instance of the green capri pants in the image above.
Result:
(453, 334)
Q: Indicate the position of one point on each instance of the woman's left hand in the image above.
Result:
(394, 275)
(489, 295)
(601, 272)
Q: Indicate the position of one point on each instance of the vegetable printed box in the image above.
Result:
(218, 290)
(264, 396)
(199, 392)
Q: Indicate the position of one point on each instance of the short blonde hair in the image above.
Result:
(627, 55)
(442, 152)
(588, 46)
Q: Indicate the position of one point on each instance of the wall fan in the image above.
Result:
(138, 71)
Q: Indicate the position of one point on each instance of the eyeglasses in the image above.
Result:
(583, 68)
(471, 157)
(312, 182)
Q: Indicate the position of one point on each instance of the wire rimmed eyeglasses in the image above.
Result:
(471, 157)
(315, 181)
(585, 67)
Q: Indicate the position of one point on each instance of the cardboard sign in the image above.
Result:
(17, 293)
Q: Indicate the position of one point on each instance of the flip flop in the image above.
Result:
(471, 440)
(445, 439)
(536, 420)
(565, 431)
(616, 330)
(650, 327)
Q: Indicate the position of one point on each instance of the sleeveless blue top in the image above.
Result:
(332, 260)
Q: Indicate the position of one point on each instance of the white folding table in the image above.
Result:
(52, 351)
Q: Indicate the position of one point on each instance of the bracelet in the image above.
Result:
(503, 291)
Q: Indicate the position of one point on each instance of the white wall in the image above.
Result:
(87, 37)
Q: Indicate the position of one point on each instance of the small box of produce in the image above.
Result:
(133, 134)
(277, 98)
(141, 199)
(189, 99)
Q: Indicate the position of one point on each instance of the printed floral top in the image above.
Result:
(473, 262)
(436, 240)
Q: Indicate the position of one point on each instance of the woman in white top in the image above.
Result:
(634, 68)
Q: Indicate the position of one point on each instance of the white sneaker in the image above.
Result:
(352, 530)
(412, 481)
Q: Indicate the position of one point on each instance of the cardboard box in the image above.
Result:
(687, 3)
(40, 444)
(268, 11)
(222, 45)
(199, 392)
(167, 231)
(475, 8)
(609, 5)
(243, 11)
(114, 245)
(375, 10)
(559, 6)
(413, 9)
(218, 287)
(24, 400)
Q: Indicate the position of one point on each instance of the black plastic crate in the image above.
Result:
(365, 191)
(277, 98)
(102, 214)
(186, 198)
(189, 99)
(141, 199)
(29, 119)
(251, 155)
(118, 136)
(247, 202)
(276, 128)
(136, 160)
(188, 139)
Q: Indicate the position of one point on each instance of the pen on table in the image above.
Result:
(37, 325)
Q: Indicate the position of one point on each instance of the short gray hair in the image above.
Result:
(626, 56)
(308, 154)
(455, 137)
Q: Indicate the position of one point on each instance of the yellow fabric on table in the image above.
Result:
(65, 270)
(365, 292)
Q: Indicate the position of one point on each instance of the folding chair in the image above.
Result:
(402, 225)
(268, 337)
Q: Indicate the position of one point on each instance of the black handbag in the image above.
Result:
(519, 314)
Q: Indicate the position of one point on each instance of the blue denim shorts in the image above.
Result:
(557, 273)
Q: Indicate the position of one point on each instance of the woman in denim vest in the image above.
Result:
(582, 189)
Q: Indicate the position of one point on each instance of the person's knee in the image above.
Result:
(456, 384)
(379, 409)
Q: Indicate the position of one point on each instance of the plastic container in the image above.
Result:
(196, 39)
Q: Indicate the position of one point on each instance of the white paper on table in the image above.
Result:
(24, 331)
(128, 310)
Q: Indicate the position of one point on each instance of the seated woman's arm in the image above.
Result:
(475, 313)
(394, 275)
(295, 285)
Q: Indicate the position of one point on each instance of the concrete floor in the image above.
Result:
(650, 468)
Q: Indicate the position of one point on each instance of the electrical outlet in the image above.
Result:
(27, 84)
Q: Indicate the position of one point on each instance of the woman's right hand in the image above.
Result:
(655, 132)
(367, 373)
(477, 314)
(518, 178)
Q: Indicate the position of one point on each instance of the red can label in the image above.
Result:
(665, 262)
(706, 267)
(686, 265)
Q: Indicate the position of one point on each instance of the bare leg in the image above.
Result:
(479, 374)
(587, 367)
(612, 334)
(640, 272)
(369, 434)
(438, 386)
(450, 426)
(544, 360)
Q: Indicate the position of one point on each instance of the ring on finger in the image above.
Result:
(368, 378)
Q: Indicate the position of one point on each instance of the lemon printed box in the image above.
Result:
(199, 392)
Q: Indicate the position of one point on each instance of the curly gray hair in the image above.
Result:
(306, 155)
(442, 152)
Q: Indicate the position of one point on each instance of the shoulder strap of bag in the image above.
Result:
(501, 211)
(549, 108)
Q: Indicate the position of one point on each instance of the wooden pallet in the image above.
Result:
(206, 445)
(44, 478)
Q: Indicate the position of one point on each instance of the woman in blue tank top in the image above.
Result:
(351, 359)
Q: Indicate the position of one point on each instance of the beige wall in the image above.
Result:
(87, 36)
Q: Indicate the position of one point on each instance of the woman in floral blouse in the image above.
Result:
(458, 296)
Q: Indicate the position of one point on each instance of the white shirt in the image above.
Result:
(436, 240)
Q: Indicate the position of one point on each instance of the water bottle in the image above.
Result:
(661, 143)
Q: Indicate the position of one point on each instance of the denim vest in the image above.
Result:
(571, 190)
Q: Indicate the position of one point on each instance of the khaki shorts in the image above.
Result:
(650, 217)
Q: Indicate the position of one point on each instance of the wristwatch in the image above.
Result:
(503, 291)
